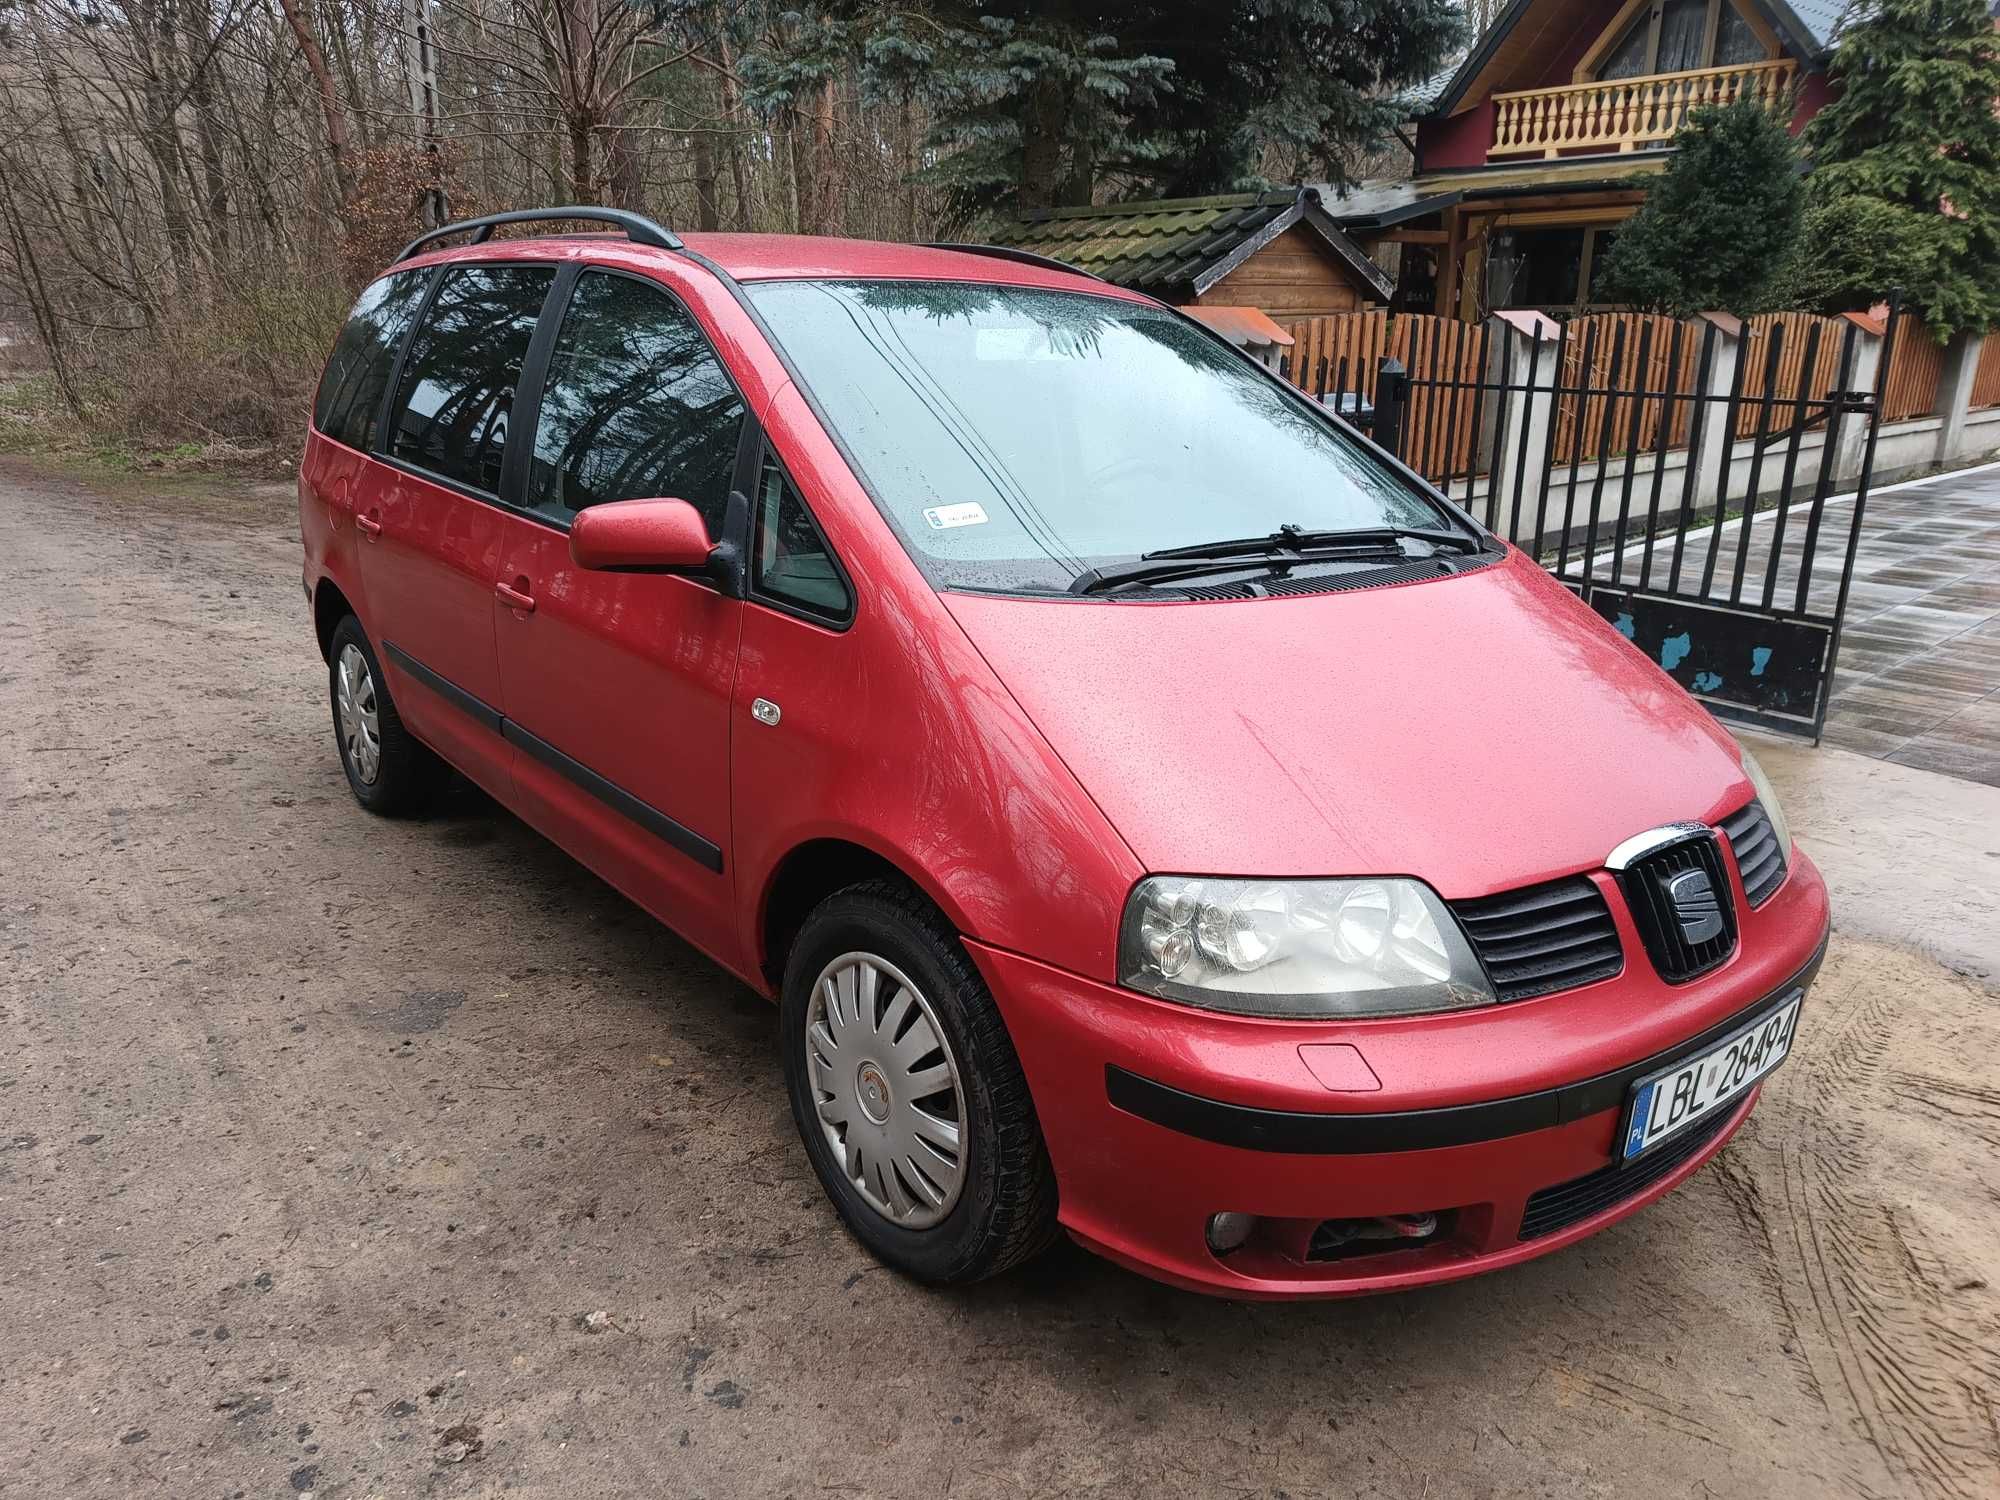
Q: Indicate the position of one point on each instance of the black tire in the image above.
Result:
(408, 773)
(1006, 1209)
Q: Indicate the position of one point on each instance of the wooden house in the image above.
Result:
(1526, 151)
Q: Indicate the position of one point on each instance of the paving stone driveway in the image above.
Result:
(1918, 680)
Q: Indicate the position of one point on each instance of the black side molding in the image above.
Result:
(487, 716)
(615, 797)
(1304, 1133)
(702, 851)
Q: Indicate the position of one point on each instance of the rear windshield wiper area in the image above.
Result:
(1281, 550)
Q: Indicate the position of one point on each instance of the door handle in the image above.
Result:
(515, 598)
(369, 525)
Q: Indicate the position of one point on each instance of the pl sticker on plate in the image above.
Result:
(945, 517)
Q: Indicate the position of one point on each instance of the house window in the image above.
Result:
(1538, 268)
(1736, 41)
(1547, 269)
(1675, 36)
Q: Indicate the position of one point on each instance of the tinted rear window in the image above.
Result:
(457, 396)
(357, 374)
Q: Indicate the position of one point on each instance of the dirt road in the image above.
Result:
(365, 1158)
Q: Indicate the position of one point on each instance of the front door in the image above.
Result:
(432, 530)
(616, 687)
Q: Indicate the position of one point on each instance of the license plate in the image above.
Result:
(1672, 1100)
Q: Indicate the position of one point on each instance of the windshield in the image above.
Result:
(1018, 438)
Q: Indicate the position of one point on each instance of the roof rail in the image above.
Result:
(1008, 252)
(639, 229)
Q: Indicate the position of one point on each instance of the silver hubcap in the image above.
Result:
(354, 706)
(887, 1090)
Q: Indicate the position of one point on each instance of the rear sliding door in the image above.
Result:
(432, 563)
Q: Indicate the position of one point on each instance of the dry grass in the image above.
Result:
(226, 383)
(221, 384)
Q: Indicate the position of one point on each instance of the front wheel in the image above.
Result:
(907, 1092)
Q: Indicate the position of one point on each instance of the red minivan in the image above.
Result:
(1157, 813)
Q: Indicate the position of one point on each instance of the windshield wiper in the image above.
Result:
(1299, 539)
(1164, 569)
(1282, 550)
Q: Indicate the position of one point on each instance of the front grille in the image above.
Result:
(1758, 858)
(1648, 884)
(1543, 938)
(1572, 1202)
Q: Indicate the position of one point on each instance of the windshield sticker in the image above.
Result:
(944, 517)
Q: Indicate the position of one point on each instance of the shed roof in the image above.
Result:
(1180, 247)
(1382, 202)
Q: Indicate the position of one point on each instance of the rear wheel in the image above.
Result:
(388, 770)
(907, 1092)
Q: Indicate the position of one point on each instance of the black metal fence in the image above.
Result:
(1701, 489)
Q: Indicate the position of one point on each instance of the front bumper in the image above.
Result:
(1158, 1115)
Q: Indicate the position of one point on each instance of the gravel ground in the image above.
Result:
(362, 1158)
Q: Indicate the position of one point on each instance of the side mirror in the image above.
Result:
(640, 536)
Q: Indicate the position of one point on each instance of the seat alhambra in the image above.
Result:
(1157, 814)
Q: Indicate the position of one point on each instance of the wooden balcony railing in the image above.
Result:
(1626, 113)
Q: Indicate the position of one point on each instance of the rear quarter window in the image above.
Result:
(357, 373)
(455, 407)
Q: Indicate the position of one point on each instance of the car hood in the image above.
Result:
(1479, 732)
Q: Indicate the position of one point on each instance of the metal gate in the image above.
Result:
(1700, 486)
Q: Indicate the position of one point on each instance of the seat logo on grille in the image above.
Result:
(1696, 906)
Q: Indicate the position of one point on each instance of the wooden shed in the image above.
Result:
(1279, 252)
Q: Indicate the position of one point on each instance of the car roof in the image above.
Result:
(786, 257)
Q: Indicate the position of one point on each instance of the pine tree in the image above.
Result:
(1047, 103)
(1321, 80)
(1719, 226)
(1906, 165)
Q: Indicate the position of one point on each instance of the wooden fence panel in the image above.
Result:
(1915, 368)
(1342, 354)
(1797, 334)
(1339, 353)
(1602, 351)
(1446, 359)
(1986, 376)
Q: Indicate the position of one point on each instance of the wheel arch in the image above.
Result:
(811, 871)
(330, 606)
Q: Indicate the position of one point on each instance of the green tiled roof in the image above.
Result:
(1178, 247)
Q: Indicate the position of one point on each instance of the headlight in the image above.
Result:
(1768, 795)
(1298, 947)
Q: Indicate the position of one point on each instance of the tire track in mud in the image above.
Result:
(1872, 1324)
(1632, 1398)
(1969, 1107)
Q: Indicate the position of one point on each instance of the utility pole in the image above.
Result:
(421, 59)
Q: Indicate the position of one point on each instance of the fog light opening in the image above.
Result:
(1227, 1232)
(1335, 1238)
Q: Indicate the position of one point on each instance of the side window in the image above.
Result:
(791, 560)
(636, 407)
(457, 393)
(350, 392)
